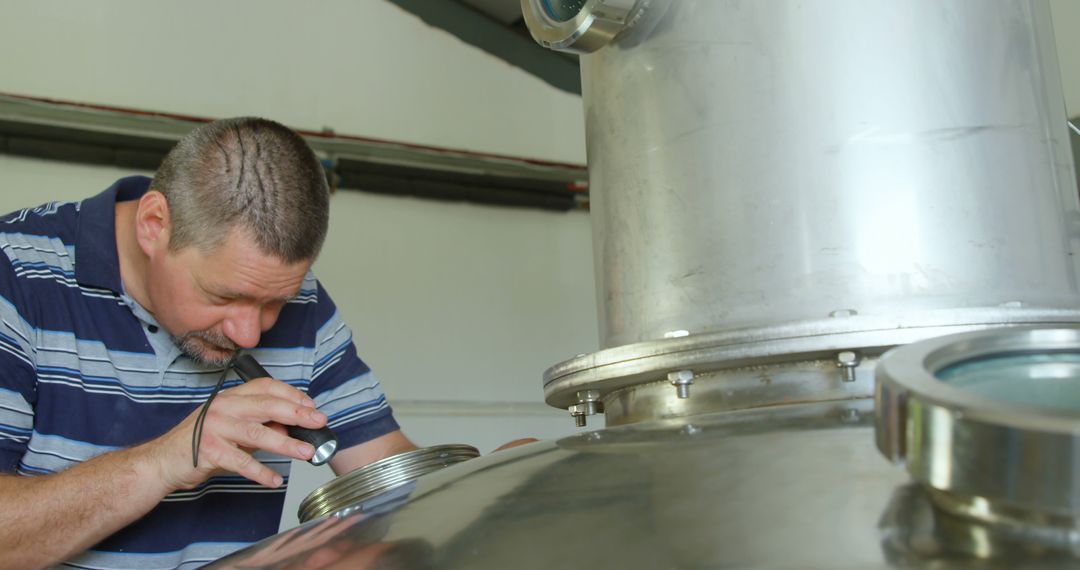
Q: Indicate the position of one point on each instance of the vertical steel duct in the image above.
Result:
(814, 180)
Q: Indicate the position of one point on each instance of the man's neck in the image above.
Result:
(133, 262)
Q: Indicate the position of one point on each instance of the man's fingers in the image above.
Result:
(228, 457)
(239, 420)
(275, 388)
(254, 435)
(262, 407)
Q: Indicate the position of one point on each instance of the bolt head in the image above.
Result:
(588, 396)
(681, 377)
(848, 358)
(586, 409)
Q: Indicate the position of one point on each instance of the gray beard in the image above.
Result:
(197, 352)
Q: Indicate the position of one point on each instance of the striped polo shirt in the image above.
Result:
(85, 370)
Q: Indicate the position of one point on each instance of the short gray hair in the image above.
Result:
(248, 173)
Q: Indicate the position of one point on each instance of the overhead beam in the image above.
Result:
(483, 32)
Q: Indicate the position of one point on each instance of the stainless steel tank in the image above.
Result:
(779, 180)
(783, 191)
(764, 163)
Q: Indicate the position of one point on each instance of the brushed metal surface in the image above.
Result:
(788, 487)
(760, 162)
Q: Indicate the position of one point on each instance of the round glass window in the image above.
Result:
(1049, 379)
(562, 10)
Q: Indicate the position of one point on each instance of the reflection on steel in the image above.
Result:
(786, 487)
(989, 458)
(917, 534)
(378, 477)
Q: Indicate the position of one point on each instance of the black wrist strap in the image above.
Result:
(196, 437)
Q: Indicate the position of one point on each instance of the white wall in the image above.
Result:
(459, 308)
(1066, 14)
(363, 67)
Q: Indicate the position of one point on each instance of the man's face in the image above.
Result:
(218, 302)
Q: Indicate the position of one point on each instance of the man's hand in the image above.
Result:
(241, 419)
(50, 518)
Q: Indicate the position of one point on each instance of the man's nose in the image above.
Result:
(243, 327)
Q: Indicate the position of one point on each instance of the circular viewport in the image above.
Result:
(1049, 380)
(562, 10)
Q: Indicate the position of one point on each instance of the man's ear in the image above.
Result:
(152, 224)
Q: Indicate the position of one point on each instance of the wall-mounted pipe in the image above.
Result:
(129, 138)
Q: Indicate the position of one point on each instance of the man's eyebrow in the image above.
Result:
(230, 294)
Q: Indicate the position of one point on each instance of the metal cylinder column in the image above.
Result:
(822, 172)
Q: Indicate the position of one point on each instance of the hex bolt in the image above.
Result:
(851, 416)
(847, 361)
(588, 404)
(681, 379)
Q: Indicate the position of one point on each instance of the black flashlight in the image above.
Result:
(323, 440)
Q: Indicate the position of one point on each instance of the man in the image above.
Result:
(120, 313)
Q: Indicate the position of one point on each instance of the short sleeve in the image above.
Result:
(18, 380)
(342, 385)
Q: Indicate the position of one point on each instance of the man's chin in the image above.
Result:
(204, 352)
(217, 356)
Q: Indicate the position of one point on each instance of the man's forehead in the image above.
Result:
(240, 247)
(237, 286)
(238, 268)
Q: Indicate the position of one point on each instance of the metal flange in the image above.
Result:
(989, 420)
(577, 26)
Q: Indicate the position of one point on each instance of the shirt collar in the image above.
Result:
(96, 261)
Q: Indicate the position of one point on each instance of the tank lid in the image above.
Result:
(989, 420)
(366, 482)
